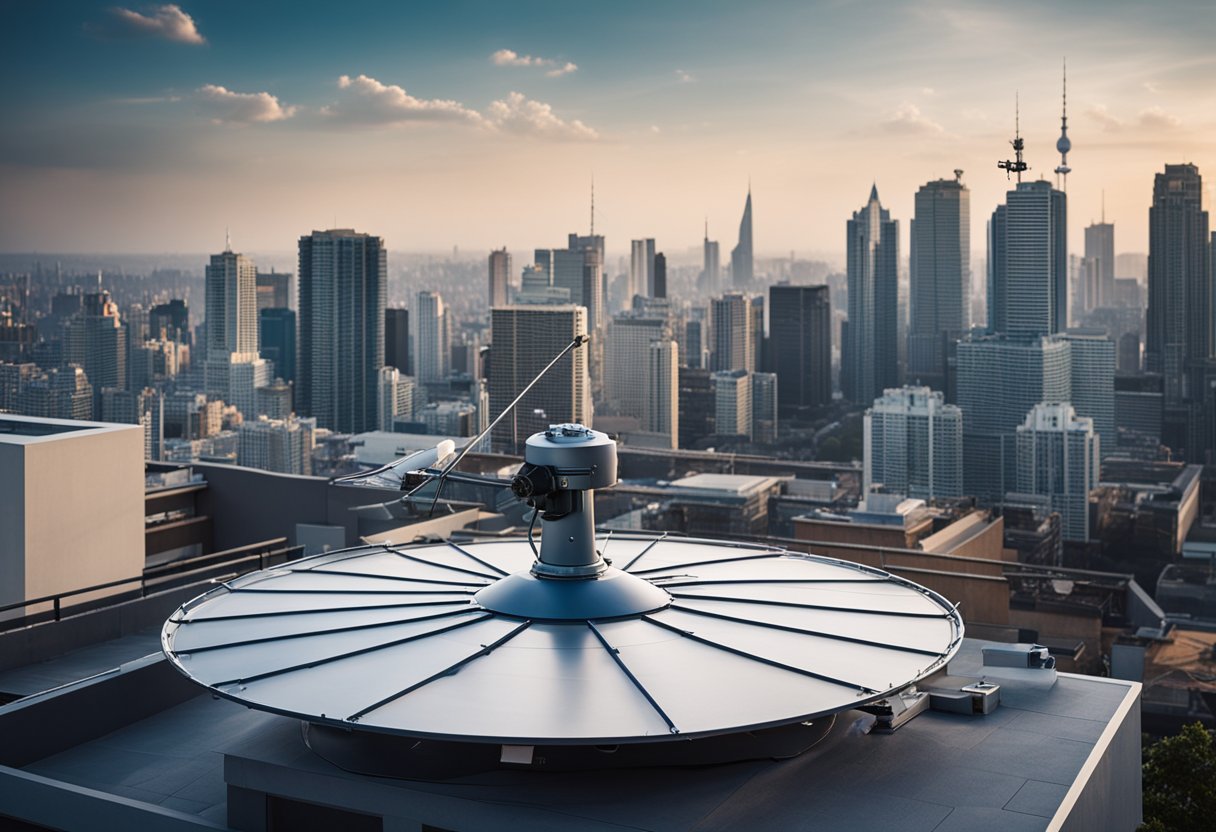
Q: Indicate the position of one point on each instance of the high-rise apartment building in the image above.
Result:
(524, 340)
(661, 404)
(432, 337)
(940, 278)
(800, 339)
(914, 444)
(629, 340)
(500, 277)
(1092, 382)
(870, 354)
(95, 339)
(343, 278)
(734, 340)
(231, 305)
(764, 407)
(658, 281)
(396, 398)
(1057, 458)
(280, 445)
(742, 256)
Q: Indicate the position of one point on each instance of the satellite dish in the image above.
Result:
(590, 640)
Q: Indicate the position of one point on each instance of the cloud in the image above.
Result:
(908, 119)
(227, 107)
(684, 77)
(367, 101)
(167, 22)
(1103, 117)
(509, 57)
(149, 99)
(1156, 118)
(521, 115)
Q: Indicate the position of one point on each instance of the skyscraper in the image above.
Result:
(711, 265)
(1028, 253)
(395, 397)
(500, 276)
(397, 340)
(525, 339)
(661, 404)
(95, 339)
(277, 340)
(231, 305)
(800, 335)
(641, 268)
(1100, 259)
(1092, 382)
(764, 407)
(914, 444)
(658, 282)
(273, 290)
(742, 256)
(431, 337)
(343, 278)
(733, 403)
(629, 340)
(940, 288)
(1179, 282)
(870, 352)
(1057, 458)
(733, 335)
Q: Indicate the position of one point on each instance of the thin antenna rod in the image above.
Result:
(578, 341)
(1018, 145)
(593, 205)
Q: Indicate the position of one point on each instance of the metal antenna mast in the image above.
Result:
(1063, 145)
(1017, 166)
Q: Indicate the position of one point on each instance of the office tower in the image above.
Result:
(1028, 262)
(742, 256)
(1128, 353)
(578, 271)
(233, 368)
(62, 393)
(870, 353)
(759, 358)
(914, 444)
(277, 340)
(1179, 340)
(659, 277)
(274, 400)
(397, 339)
(733, 403)
(695, 350)
(525, 340)
(999, 381)
(733, 336)
(171, 321)
(764, 407)
(579, 242)
(96, 340)
(641, 267)
(697, 405)
(245, 374)
(661, 404)
(800, 339)
(280, 445)
(1057, 458)
(1100, 257)
(1092, 382)
(431, 337)
(500, 276)
(273, 290)
(940, 278)
(629, 340)
(711, 265)
(396, 398)
(342, 283)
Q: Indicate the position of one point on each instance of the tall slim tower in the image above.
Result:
(800, 332)
(871, 351)
(431, 337)
(234, 368)
(1063, 145)
(342, 283)
(641, 268)
(1100, 264)
(711, 264)
(500, 273)
(733, 333)
(742, 256)
(940, 277)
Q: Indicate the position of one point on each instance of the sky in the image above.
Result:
(150, 128)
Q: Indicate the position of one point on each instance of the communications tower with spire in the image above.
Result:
(1063, 144)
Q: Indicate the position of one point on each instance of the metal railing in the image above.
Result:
(226, 564)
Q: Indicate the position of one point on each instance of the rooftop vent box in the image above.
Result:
(1034, 656)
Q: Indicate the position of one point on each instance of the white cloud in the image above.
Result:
(367, 101)
(684, 77)
(1103, 117)
(520, 114)
(509, 57)
(1152, 118)
(166, 21)
(227, 107)
(908, 119)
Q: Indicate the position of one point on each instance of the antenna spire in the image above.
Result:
(227, 240)
(593, 205)
(1017, 166)
(1063, 145)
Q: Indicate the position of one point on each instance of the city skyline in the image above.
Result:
(135, 123)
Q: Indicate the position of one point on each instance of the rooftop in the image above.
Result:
(27, 430)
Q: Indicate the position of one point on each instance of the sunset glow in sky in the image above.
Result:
(151, 127)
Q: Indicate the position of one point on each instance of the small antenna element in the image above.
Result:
(227, 240)
(1063, 145)
(593, 205)
(1017, 166)
(958, 175)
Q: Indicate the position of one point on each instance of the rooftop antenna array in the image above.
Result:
(598, 649)
(1017, 166)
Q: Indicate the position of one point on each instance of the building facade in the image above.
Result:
(1057, 458)
(914, 444)
(940, 278)
(870, 350)
(800, 339)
